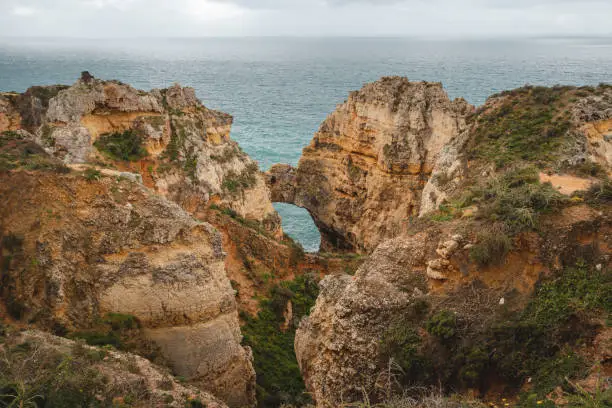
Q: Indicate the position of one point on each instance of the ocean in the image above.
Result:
(279, 90)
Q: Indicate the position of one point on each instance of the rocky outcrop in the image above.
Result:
(489, 169)
(337, 345)
(340, 345)
(594, 114)
(189, 156)
(77, 246)
(363, 174)
(117, 376)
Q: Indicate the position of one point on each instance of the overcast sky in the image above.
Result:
(423, 18)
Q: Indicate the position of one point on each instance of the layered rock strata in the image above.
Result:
(363, 174)
(189, 156)
(75, 248)
(339, 346)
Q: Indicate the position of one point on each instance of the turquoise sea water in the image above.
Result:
(279, 90)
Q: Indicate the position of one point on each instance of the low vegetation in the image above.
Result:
(92, 175)
(126, 146)
(528, 124)
(600, 193)
(249, 223)
(227, 155)
(39, 371)
(538, 342)
(16, 152)
(515, 199)
(122, 332)
(235, 183)
(491, 248)
(278, 376)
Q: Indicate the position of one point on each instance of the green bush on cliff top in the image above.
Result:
(528, 125)
(516, 199)
(126, 146)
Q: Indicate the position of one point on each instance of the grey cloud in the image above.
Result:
(142, 18)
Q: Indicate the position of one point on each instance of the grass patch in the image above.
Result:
(527, 125)
(92, 175)
(126, 146)
(516, 199)
(491, 248)
(278, 376)
(16, 153)
(235, 183)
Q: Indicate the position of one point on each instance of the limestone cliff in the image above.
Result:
(188, 155)
(77, 246)
(396, 150)
(362, 176)
(341, 346)
(514, 208)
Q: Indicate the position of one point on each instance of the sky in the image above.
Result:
(364, 18)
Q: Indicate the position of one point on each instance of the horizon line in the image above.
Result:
(339, 36)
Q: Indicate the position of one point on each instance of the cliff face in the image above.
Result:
(503, 209)
(78, 246)
(188, 154)
(363, 174)
(342, 346)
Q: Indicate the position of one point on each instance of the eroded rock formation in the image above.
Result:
(75, 248)
(340, 345)
(473, 254)
(189, 158)
(362, 176)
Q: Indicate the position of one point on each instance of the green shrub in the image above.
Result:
(297, 252)
(588, 169)
(126, 146)
(516, 198)
(92, 175)
(401, 343)
(94, 338)
(474, 366)
(526, 126)
(114, 329)
(234, 182)
(11, 242)
(119, 321)
(191, 166)
(19, 153)
(600, 193)
(491, 248)
(278, 376)
(442, 325)
(195, 403)
(535, 343)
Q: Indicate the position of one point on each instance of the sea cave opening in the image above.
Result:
(299, 225)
